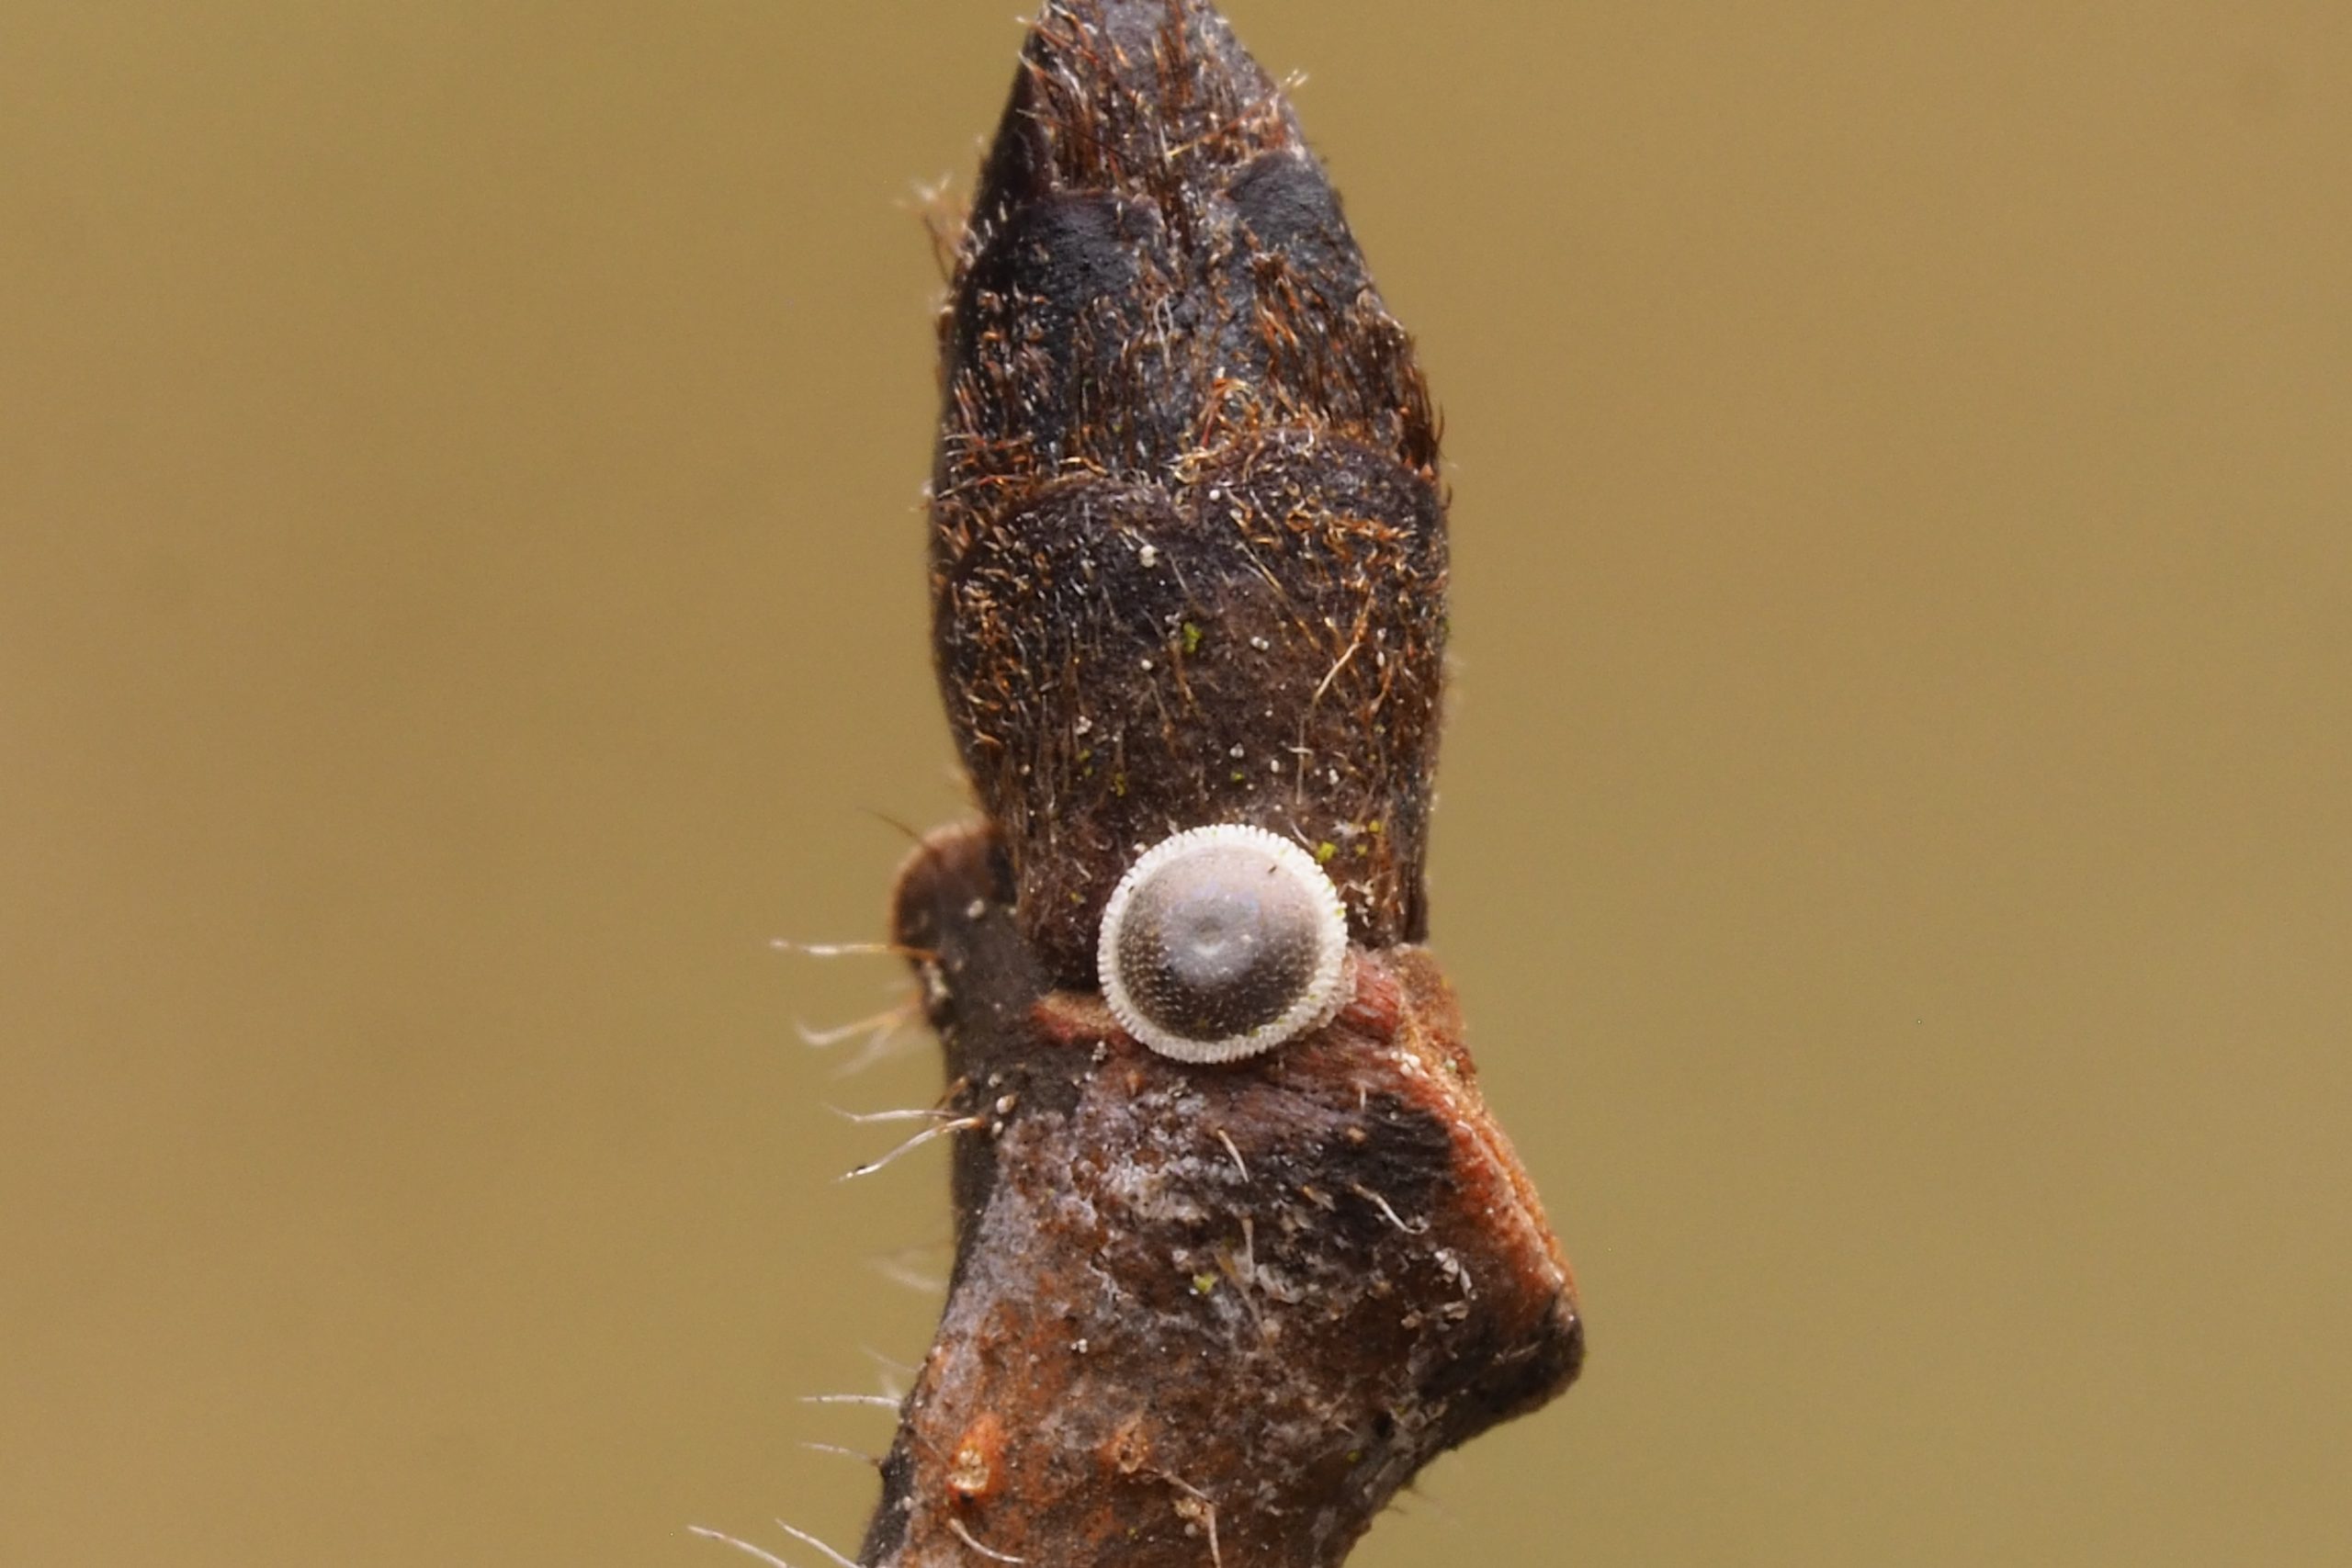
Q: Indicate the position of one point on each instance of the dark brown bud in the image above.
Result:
(1189, 550)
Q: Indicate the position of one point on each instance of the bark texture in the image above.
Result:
(1188, 567)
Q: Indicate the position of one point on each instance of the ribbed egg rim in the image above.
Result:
(1316, 1005)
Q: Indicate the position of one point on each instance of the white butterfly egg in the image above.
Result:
(1221, 942)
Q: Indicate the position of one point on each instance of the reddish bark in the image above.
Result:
(1257, 1296)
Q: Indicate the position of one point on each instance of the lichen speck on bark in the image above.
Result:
(1188, 567)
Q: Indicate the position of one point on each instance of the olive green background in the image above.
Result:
(460, 597)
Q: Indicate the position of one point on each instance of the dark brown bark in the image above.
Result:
(1189, 567)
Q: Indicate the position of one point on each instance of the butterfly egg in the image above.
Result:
(1221, 942)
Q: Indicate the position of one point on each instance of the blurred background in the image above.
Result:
(461, 597)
